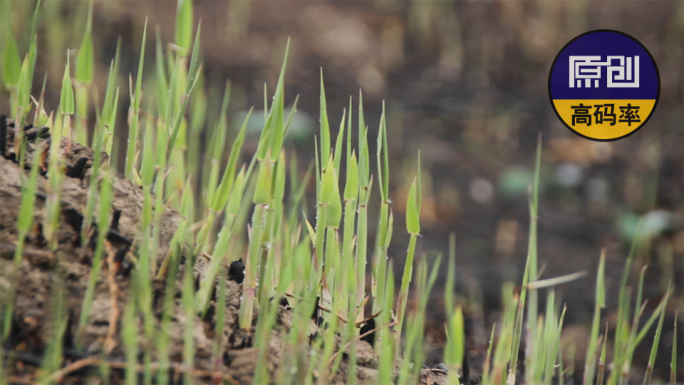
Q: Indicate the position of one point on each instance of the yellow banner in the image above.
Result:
(604, 119)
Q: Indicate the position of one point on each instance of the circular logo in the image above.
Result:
(604, 85)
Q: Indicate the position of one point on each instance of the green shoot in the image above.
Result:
(66, 100)
(84, 76)
(110, 104)
(28, 197)
(189, 325)
(220, 319)
(105, 202)
(219, 144)
(532, 307)
(602, 359)
(654, 348)
(135, 111)
(413, 228)
(365, 187)
(382, 238)
(529, 274)
(169, 304)
(600, 303)
(385, 341)
(184, 26)
(129, 333)
(261, 199)
(623, 303)
(454, 351)
(52, 359)
(11, 67)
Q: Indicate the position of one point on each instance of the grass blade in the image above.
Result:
(654, 348)
(600, 303)
(135, 111)
(11, 66)
(184, 26)
(673, 358)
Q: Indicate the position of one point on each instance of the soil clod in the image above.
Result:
(77, 170)
(236, 272)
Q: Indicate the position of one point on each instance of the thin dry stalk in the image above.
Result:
(95, 361)
(359, 337)
(72, 367)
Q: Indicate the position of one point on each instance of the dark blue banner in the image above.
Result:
(605, 65)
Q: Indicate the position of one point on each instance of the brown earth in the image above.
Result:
(41, 271)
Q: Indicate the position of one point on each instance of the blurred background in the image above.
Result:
(465, 83)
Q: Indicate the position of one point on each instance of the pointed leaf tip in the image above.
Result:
(85, 59)
(67, 94)
(184, 25)
(412, 213)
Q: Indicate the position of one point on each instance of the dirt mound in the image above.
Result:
(69, 267)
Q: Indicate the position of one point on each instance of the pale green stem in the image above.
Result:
(380, 262)
(81, 132)
(403, 294)
(362, 246)
(249, 286)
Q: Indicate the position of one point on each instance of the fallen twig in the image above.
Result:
(359, 337)
(325, 309)
(72, 367)
(372, 316)
(18, 380)
(345, 320)
(95, 361)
